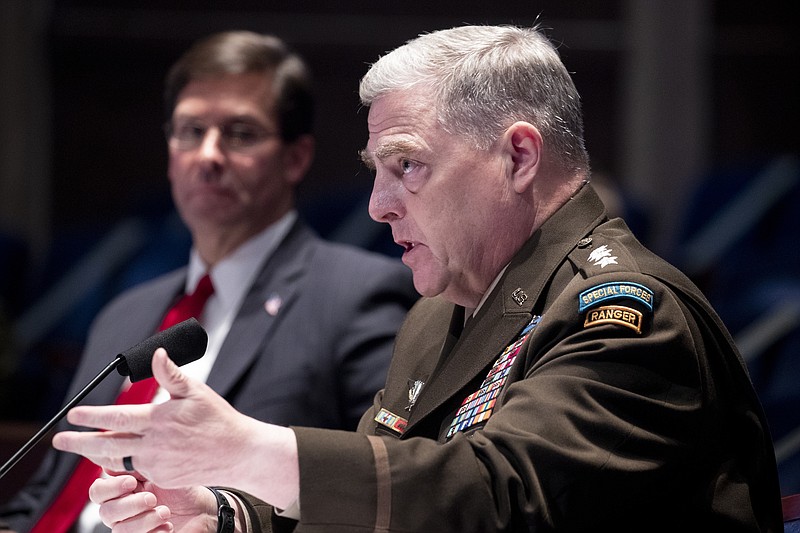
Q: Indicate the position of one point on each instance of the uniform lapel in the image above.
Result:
(480, 343)
(510, 307)
(427, 338)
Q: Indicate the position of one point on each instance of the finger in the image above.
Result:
(135, 513)
(105, 489)
(102, 448)
(169, 375)
(134, 418)
(115, 472)
(122, 516)
(125, 507)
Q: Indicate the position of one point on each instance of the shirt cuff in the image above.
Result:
(240, 510)
(292, 511)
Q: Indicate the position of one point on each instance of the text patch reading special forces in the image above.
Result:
(614, 291)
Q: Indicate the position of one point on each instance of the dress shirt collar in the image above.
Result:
(242, 264)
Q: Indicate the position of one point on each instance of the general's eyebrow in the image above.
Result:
(366, 158)
(386, 150)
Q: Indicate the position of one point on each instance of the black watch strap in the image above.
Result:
(226, 516)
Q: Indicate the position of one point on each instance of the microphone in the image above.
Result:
(185, 342)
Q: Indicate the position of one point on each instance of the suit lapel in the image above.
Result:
(273, 292)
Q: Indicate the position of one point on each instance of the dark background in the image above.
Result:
(83, 118)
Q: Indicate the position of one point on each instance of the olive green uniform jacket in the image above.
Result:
(626, 408)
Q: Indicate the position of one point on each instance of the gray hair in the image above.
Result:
(482, 79)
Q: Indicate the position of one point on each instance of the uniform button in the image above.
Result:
(583, 243)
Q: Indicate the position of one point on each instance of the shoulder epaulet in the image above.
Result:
(617, 299)
(599, 254)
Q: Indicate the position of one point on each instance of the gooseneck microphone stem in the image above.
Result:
(53, 421)
(185, 342)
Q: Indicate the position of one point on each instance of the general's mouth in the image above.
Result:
(407, 245)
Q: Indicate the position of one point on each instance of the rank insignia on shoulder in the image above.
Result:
(615, 290)
(602, 257)
(392, 421)
(614, 314)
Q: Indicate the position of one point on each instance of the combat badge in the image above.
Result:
(414, 388)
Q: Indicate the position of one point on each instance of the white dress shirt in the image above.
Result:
(232, 278)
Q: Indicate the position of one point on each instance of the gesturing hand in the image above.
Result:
(195, 438)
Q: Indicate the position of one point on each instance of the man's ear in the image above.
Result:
(524, 145)
(297, 158)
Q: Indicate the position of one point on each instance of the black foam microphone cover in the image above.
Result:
(185, 342)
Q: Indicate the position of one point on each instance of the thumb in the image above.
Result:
(169, 376)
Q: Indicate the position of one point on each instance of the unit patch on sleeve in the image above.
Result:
(614, 314)
(615, 290)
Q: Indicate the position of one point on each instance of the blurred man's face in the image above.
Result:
(228, 167)
(449, 205)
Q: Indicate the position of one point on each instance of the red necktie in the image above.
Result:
(67, 506)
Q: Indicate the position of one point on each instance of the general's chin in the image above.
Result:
(426, 284)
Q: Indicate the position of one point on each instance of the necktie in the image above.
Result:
(67, 506)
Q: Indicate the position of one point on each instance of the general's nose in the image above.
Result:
(384, 202)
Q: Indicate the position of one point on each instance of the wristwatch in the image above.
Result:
(226, 516)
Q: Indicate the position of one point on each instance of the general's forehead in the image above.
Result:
(395, 117)
(412, 106)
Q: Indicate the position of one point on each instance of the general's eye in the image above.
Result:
(413, 174)
(406, 165)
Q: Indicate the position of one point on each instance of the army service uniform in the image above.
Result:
(595, 389)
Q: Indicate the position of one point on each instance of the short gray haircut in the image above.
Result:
(482, 79)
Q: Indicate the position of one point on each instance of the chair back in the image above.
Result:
(791, 513)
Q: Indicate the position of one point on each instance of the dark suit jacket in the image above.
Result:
(318, 362)
(627, 407)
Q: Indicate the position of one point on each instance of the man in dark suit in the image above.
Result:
(556, 375)
(300, 330)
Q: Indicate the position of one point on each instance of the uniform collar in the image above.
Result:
(524, 279)
(510, 305)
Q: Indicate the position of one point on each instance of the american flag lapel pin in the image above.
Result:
(273, 304)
